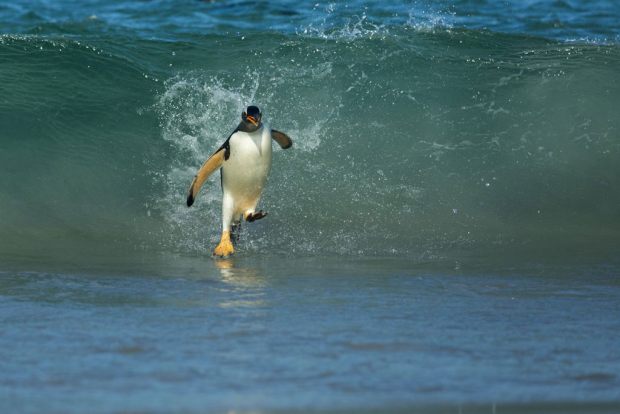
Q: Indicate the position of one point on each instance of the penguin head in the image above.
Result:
(252, 117)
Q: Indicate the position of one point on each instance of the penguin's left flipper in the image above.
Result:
(211, 165)
(282, 139)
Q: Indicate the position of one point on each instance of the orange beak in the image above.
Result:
(252, 120)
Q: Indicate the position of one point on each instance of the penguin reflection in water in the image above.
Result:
(245, 161)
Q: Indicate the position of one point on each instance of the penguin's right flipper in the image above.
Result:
(211, 165)
(282, 139)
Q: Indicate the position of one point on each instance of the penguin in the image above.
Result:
(244, 161)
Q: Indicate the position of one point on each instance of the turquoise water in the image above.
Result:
(444, 233)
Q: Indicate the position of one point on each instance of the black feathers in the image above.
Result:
(226, 146)
(282, 139)
(253, 111)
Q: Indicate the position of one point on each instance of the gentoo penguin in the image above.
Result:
(245, 161)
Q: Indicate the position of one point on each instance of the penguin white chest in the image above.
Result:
(244, 173)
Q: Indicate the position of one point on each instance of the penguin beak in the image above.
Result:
(252, 120)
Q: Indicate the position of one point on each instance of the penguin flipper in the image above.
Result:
(211, 165)
(282, 139)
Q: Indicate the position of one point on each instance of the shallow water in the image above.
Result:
(299, 334)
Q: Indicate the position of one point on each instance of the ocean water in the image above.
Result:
(444, 235)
